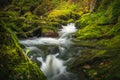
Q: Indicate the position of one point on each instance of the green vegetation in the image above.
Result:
(100, 34)
(14, 64)
(98, 23)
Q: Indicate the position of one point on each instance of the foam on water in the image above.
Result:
(63, 40)
(52, 65)
(46, 41)
(67, 30)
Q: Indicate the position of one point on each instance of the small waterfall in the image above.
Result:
(52, 65)
(67, 30)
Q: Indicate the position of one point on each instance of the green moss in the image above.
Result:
(58, 13)
(66, 6)
(64, 14)
(43, 8)
(100, 30)
(26, 71)
(15, 65)
(90, 31)
(115, 30)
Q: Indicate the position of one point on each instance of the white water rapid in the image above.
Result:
(49, 52)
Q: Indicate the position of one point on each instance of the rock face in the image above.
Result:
(14, 64)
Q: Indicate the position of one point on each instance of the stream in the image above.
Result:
(53, 54)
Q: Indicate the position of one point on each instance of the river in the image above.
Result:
(53, 54)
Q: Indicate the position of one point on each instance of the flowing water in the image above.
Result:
(53, 54)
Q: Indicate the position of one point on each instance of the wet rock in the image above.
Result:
(50, 34)
(87, 66)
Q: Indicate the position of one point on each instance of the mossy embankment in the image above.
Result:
(100, 37)
(14, 64)
(28, 18)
